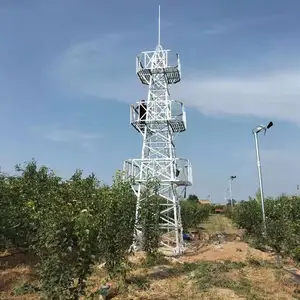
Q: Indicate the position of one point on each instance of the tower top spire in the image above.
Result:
(158, 25)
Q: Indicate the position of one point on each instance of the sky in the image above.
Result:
(67, 79)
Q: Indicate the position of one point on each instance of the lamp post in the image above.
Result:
(209, 198)
(225, 195)
(256, 131)
(230, 189)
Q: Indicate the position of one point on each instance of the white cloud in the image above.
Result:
(66, 135)
(58, 134)
(232, 25)
(104, 68)
(273, 95)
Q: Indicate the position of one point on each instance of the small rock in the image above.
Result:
(219, 247)
(268, 248)
(101, 265)
(192, 274)
(241, 232)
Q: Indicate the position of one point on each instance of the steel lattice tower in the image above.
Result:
(159, 119)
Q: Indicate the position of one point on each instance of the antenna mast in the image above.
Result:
(158, 25)
(159, 119)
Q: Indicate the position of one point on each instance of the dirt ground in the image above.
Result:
(218, 267)
(234, 251)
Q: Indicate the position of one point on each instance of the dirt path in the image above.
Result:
(223, 243)
(233, 251)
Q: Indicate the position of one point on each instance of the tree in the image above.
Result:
(193, 198)
(193, 213)
(229, 202)
(70, 225)
(282, 222)
(117, 225)
(150, 209)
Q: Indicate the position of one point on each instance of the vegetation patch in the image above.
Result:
(282, 222)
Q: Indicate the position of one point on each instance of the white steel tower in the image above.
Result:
(159, 119)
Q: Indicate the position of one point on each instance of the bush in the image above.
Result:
(70, 225)
(247, 215)
(193, 213)
(150, 209)
(282, 222)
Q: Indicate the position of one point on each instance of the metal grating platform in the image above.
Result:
(177, 126)
(172, 74)
(182, 183)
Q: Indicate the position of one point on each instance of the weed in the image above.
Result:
(209, 274)
(24, 288)
(154, 259)
(139, 282)
(258, 263)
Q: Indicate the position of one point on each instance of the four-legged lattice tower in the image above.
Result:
(159, 119)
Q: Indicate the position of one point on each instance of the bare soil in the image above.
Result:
(235, 251)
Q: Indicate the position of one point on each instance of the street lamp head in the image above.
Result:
(259, 128)
(232, 177)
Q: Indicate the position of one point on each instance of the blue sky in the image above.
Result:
(67, 77)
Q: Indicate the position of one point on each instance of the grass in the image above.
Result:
(218, 223)
(212, 280)
(210, 275)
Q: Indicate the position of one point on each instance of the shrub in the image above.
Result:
(193, 213)
(150, 209)
(247, 215)
(70, 225)
(117, 225)
(282, 222)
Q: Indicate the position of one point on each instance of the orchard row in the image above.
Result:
(71, 225)
(282, 223)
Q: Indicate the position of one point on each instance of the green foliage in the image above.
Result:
(23, 202)
(247, 215)
(193, 213)
(149, 217)
(154, 259)
(229, 202)
(117, 227)
(211, 274)
(218, 206)
(282, 222)
(70, 225)
(24, 288)
(258, 196)
(192, 197)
